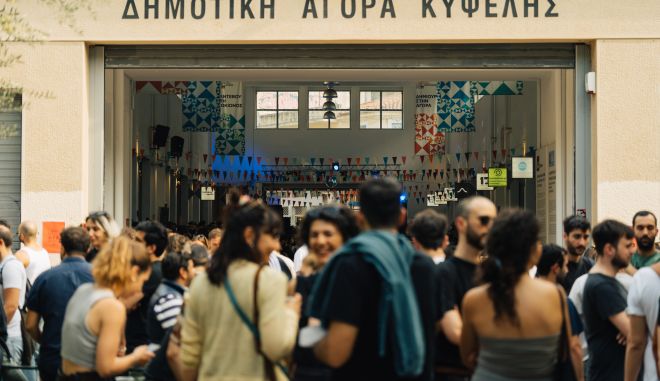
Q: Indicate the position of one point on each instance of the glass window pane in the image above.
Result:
(393, 119)
(343, 100)
(392, 100)
(343, 120)
(287, 100)
(266, 119)
(369, 100)
(316, 120)
(316, 100)
(266, 100)
(288, 119)
(369, 119)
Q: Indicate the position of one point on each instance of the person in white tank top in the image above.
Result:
(35, 258)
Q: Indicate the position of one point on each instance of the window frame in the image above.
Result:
(380, 109)
(277, 108)
(309, 90)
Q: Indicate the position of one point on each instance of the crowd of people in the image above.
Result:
(359, 300)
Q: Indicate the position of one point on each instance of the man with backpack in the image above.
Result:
(13, 281)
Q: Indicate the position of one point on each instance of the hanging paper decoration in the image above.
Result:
(385, 159)
(357, 160)
(349, 160)
(286, 161)
(249, 160)
(394, 159)
(467, 157)
(421, 159)
(458, 158)
(240, 161)
(158, 87)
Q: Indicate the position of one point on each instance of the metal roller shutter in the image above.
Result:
(329, 56)
(10, 169)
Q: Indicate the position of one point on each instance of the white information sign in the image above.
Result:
(482, 182)
(208, 194)
(522, 167)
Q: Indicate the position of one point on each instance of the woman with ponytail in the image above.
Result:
(93, 328)
(238, 323)
(513, 323)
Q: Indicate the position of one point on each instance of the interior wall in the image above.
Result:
(494, 116)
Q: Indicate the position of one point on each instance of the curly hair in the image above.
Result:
(510, 241)
(112, 266)
(342, 217)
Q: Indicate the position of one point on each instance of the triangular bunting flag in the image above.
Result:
(357, 160)
(277, 161)
(394, 159)
(385, 160)
(240, 160)
(431, 158)
(250, 160)
(205, 156)
(421, 158)
(476, 155)
(467, 156)
(258, 160)
(458, 157)
(286, 161)
(513, 151)
(403, 160)
(313, 161)
(494, 154)
(321, 160)
(349, 160)
(231, 160)
(504, 153)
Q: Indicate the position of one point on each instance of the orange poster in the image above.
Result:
(51, 236)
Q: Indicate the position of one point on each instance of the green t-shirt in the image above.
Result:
(638, 261)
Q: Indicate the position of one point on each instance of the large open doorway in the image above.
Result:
(285, 150)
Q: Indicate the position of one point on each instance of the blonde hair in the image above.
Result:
(112, 266)
(106, 223)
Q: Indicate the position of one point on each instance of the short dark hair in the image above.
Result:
(172, 262)
(5, 224)
(644, 213)
(610, 231)
(74, 240)
(576, 223)
(154, 234)
(199, 255)
(5, 236)
(429, 228)
(550, 256)
(380, 202)
(340, 216)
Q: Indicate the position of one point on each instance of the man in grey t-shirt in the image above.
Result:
(13, 284)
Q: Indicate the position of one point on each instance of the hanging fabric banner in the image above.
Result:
(428, 139)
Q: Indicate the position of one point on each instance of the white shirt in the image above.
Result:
(299, 256)
(643, 299)
(39, 262)
(13, 276)
(275, 264)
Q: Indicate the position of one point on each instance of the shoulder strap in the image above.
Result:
(253, 326)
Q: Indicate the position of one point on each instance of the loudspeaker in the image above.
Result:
(159, 136)
(176, 146)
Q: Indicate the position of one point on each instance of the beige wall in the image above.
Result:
(626, 128)
(577, 20)
(54, 81)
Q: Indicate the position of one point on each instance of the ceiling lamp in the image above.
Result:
(329, 106)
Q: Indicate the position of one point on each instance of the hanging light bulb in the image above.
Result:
(329, 115)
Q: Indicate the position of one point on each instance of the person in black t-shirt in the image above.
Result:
(454, 278)
(353, 311)
(576, 237)
(154, 236)
(604, 302)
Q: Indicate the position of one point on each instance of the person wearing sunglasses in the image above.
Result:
(455, 277)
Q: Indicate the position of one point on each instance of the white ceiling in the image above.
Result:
(341, 75)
